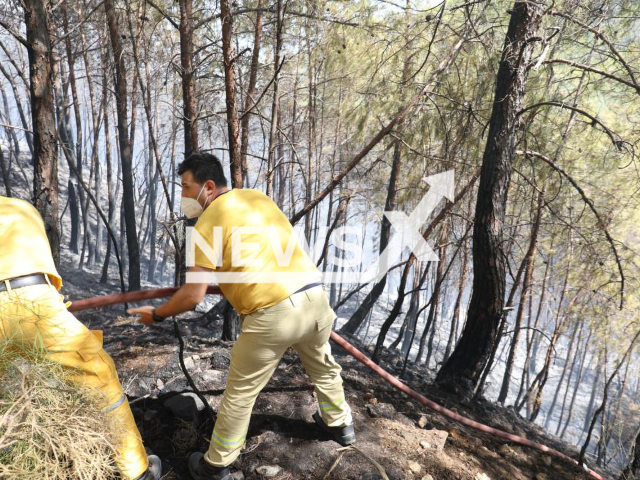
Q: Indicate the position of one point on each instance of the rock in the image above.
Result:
(373, 401)
(541, 476)
(186, 406)
(383, 410)
(237, 475)
(506, 451)
(211, 376)
(435, 439)
(415, 467)
(195, 357)
(481, 476)
(268, 471)
(428, 476)
(422, 422)
(546, 459)
(189, 364)
(220, 360)
(143, 385)
(409, 405)
(160, 384)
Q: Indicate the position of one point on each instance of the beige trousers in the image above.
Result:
(302, 321)
(37, 315)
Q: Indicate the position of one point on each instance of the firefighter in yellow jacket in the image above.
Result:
(32, 312)
(274, 286)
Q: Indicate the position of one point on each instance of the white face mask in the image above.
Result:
(191, 206)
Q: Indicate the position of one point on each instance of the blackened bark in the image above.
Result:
(274, 136)
(594, 390)
(632, 472)
(395, 311)
(75, 218)
(151, 272)
(565, 369)
(251, 90)
(398, 305)
(526, 284)
(5, 174)
(45, 178)
(463, 369)
(464, 270)
(385, 230)
(125, 148)
(576, 386)
(435, 296)
(230, 90)
(111, 195)
(190, 105)
(17, 100)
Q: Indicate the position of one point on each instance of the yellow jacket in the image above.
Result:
(24, 247)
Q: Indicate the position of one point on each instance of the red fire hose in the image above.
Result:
(354, 352)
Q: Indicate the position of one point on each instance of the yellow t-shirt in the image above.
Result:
(24, 247)
(247, 216)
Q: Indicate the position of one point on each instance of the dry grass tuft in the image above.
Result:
(49, 428)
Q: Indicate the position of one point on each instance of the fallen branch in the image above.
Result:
(335, 464)
(381, 470)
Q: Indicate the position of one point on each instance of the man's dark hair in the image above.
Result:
(204, 166)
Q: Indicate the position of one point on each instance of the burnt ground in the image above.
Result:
(390, 426)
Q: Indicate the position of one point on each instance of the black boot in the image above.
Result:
(154, 470)
(200, 469)
(343, 435)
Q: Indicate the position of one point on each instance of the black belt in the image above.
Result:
(25, 281)
(307, 287)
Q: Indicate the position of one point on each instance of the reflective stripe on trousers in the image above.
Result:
(302, 321)
(36, 315)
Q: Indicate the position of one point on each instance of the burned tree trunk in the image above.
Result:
(230, 89)
(632, 472)
(125, 147)
(189, 106)
(463, 369)
(45, 154)
(249, 100)
(526, 285)
(385, 232)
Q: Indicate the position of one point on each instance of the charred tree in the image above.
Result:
(230, 90)
(251, 90)
(128, 200)
(45, 147)
(463, 369)
(526, 285)
(189, 102)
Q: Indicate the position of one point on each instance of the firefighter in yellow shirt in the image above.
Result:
(32, 312)
(245, 239)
